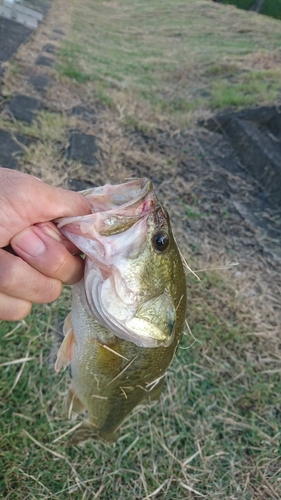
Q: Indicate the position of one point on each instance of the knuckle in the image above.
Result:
(23, 311)
(14, 310)
(9, 272)
(68, 268)
(18, 280)
(60, 264)
(51, 291)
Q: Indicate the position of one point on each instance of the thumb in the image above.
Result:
(25, 200)
(56, 203)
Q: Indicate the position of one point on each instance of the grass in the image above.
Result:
(151, 68)
(47, 126)
(240, 94)
(215, 419)
(215, 416)
(123, 46)
(190, 211)
(46, 136)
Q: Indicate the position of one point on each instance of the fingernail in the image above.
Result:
(50, 230)
(29, 242)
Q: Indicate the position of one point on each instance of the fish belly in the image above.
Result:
(110, 376)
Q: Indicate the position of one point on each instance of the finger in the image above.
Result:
(12, 309)
(25, 200)
(47, 253)
(51, 229)
(19, 280)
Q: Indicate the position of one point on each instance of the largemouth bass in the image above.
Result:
(128, 311)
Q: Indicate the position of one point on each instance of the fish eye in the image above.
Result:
(160, 241)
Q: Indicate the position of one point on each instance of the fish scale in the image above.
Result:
(128, 311)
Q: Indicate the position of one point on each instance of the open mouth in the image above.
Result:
(115, 208)
(133, 198)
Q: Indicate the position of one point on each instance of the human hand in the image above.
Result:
(44, 257)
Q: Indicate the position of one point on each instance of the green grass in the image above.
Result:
(240, 94)
(157, 52)
(217, 406)
(190, 211)
(46, 127)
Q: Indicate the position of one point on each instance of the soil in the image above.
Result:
(222, 215)
(225, 203)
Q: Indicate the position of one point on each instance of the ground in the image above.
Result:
(215, 431)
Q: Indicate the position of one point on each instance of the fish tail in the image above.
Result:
(87, 431)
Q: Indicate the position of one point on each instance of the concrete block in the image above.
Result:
(84, 113)
(5, 12)
(39, 82)
(260, 155)
(50, 48)
(29, 21)
(11, 148)
(12, 35)
(77, 185)
(28, 12)
(83, 147)
(260, 116)
(24, 107)
(44, 61)
(7, 3)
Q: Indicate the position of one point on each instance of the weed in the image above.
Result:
(190, 211)
(160, 62)
(241, 94)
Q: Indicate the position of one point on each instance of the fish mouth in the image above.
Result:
(115, 208)
(113, 236)
(128, 195)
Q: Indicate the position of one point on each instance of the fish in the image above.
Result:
(128, 311)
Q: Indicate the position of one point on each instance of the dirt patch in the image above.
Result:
(255, 135)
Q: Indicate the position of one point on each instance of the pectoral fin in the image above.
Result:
(65, 351)
(73, 403)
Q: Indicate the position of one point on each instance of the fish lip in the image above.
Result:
(145, 191)
(145, 188)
